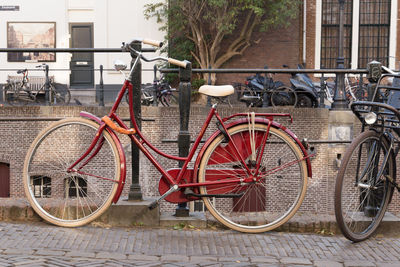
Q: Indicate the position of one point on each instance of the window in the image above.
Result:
(369, 33)
(75, 186)
(41, 186)
(374, 32)
(330, 33)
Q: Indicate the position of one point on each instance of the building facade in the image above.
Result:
(68, 24)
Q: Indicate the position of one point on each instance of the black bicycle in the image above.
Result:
(165, 94)
(367, 175)
(20, 92)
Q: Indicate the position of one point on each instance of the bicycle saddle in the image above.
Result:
(216, 90)
(21, 71)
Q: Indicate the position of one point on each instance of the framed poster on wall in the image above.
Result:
(31, 35)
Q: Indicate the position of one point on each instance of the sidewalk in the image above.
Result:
(40, 244)
(130, 214)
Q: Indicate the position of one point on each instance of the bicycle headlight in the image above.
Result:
(370, 118)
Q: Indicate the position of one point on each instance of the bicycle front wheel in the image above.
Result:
(267, 202)
(362, 189)
(60, 95)
(71, 198)
(15, 96)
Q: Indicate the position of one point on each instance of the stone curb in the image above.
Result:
(19, 211)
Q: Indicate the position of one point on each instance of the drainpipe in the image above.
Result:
(304, 31)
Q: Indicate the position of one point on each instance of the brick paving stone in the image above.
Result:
(111, 255)
(327, 263)
(388, 264)
(140, 257)
(203, 259)
(174, 258)
(295, 261)
(49, 252)
(80, 254)
(233, 259)
(18, 251)
(260, 259)
(359, 263)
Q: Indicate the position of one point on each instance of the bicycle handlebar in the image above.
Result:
(129, 48)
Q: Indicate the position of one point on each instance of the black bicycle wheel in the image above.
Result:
(168, 99)
(283, 96)
(362, 191)
(60, 94)
(16, 96)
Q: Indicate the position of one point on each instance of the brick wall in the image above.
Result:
(313, 124)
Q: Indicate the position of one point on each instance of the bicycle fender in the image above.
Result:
(121, 153)
(245, 121)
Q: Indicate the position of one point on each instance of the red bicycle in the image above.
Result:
(251, 172)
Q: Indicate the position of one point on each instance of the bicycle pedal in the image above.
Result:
(153, 205)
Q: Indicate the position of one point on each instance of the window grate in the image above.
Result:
(330, 33)
(374, 32)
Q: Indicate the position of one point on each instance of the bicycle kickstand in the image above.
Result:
(155, 203)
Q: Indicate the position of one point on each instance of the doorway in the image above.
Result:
(4, 180)
(82, 64)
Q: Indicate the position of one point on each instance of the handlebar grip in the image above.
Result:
(152, 42)
(177, 62)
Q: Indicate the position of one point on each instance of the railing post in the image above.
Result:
(266, 94)
(101, 96)
(155, 100)
(47, 86)
(185, 75)
(321, 92)
(209, 83)
(339, 100)
(135, 192)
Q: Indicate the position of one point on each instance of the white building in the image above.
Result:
(73, 23)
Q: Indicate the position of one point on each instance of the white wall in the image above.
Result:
(114, 21)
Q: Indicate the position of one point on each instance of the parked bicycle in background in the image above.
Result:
(164, 93)
(20, 92)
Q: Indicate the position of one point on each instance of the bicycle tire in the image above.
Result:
(60, 95)
(13, 95)
(285, 95)
(259, 208)
(168, 100)
(360, 203)
(70, 199)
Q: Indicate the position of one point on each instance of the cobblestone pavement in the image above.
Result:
(39, 244)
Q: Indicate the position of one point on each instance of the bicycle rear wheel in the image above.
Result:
(261, 205)
(168, 100)
(361, 197)
(283, 96)
(71, 198)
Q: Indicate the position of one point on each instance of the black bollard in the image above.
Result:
(47, 86)
(135, 192)
(209, 83)
(155, 100)
(185, 75)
